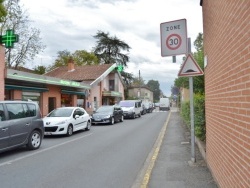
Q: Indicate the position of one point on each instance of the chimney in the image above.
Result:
(71, 65)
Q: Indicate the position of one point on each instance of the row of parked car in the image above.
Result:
(21, 122)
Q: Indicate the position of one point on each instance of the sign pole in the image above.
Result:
(192, 119)
(191, 94)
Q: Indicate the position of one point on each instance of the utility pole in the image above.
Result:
(139, 85)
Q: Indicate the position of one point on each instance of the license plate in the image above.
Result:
(47, 133)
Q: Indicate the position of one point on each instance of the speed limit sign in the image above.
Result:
(174, 38)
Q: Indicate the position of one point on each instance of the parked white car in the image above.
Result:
(66, 120)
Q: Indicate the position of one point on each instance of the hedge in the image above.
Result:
(199, 115)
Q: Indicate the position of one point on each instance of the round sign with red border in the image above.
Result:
(173, 41)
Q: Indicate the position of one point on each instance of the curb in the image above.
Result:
(202, 147)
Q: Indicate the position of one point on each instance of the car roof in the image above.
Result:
(68, 107)
(19, 101)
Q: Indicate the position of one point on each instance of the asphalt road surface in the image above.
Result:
(106, 156)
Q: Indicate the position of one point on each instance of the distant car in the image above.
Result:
(164, 104)
(107, 114)
(131, 108)
(66, 120)
(157, 104)
(148, 107)
(20, 124)
(144, 110)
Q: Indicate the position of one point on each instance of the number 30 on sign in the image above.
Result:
(173, 41)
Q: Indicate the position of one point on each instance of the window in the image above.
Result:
(111, 85)
(78, 112)
(2, 115)
(32, 110)
(15, 111)
(19, 110)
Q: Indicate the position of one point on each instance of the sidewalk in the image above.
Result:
(172, 168)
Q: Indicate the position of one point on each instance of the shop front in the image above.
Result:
(111, 97)
(48, 92)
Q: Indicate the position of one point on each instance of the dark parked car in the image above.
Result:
(107, 115)
(20, 124)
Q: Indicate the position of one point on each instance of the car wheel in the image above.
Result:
(122, 118)
(88, 126)
(70, 130)
(134, 116)
(35, 140)
(112, 121)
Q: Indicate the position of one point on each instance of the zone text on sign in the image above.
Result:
(175, 27)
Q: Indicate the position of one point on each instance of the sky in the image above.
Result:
(71, 24)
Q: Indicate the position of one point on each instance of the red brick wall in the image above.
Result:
(227, 84)
(2, 72)
(54, 91)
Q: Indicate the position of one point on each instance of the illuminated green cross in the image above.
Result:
(120, 68)
(9, 38)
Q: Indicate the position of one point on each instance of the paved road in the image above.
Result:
(105, 156)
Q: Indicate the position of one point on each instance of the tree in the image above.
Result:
(199, 84)
(138, 81)
(29, 43)
(3, 11)
(80, 57)
(110, 50)
(40, 69)
(61, 60)
(127, 78)
(155, 87)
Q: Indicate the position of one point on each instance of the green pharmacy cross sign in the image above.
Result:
(120, 68)
(9, 39)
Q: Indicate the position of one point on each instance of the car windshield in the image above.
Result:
(126, 104)
(61, 112)
(105, 109)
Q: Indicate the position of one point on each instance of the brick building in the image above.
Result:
(226, 26)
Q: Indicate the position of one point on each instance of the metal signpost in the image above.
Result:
(174, 41)
(189, 69)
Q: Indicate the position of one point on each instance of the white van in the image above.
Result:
(164, 104)
(131, 108)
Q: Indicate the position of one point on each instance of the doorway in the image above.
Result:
(52, 104)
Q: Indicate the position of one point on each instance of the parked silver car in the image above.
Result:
(20, 124)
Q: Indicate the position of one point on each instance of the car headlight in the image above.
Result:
(108, 116)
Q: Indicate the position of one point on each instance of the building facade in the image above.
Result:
(85, 86)
(48, 92)
(107, 87)
(226, 26)
(143, 93)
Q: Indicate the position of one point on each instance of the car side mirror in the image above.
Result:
(77, 116)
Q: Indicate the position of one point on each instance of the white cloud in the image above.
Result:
(71, 24)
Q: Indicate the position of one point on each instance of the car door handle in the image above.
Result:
(4, 129)
(27, 124)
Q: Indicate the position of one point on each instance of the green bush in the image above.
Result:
(199, 115)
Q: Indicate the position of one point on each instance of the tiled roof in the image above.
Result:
(23, 69)
(85, 72)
